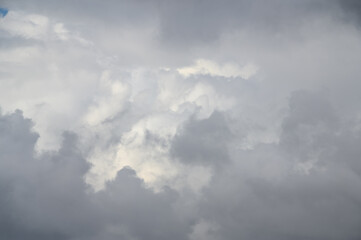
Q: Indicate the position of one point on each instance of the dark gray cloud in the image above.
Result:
(323, 203)
(352, 9)
(198, 22)
(309, 126)
(41, 193)
(203, 142)
(145, 215)
(46, 197)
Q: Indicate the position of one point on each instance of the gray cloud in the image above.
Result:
(263, 193)
(46, 197)
(203, 141)
(323, 203)
(199, 22)
(153, 104)
(189, 24)
(352, 10)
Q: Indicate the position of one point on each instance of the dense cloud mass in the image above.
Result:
(46, 197)
(192, 120)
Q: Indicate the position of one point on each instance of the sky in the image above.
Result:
(189, 120)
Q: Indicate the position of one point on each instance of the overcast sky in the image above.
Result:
(189, 120)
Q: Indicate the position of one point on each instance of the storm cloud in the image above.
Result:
(180, 120)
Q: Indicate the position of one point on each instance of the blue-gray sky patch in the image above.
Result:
(3, 12)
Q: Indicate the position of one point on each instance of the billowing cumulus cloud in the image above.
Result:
(45, 196)
(180, 120)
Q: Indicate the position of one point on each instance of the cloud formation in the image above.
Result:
(180, 120)
(45, 196)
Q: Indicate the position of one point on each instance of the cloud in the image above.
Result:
(228, 70)
(264, 195)
(203, 142)
(180, 120)
(28, 26)
(352, 10)
(260, 193)
(188, 24)
(46, 196)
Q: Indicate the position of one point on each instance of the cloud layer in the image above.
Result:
(180, 120)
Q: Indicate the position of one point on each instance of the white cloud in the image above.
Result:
(61, 31)
(19, 55)
(227, 70)
(25, 25)
(110, 99)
